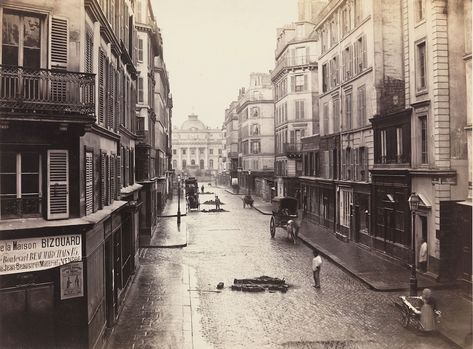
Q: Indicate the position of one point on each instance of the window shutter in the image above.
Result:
(101, 100)
(127, 167)
(293, 83)
(89, 183)
(58, 185)
(59, 41)
(132, 166)
(118, 175)
(113, 189)
(103, 174)
(111, 97)
(108, 179)
(306, 85)
(365, 54)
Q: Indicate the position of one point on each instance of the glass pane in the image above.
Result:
(29, 183)
(29, 162)
(8, 184)
(32, 31)
(31, 58)
(7, 162)
(11, 29)
(9, 55)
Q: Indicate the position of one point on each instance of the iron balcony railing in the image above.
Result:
(293, 61)
(46, 91)
(292, 148)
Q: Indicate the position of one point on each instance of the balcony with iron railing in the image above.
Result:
(40, 93)
(294, 62)
(292, 150)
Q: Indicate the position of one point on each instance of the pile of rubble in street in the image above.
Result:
(260, 284)
(212, 202)
(213, 210)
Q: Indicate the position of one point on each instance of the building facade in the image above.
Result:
(231, 126)
(196, 148)
(295, 85)
(153, 108)
(256, 133)
(437, 52)
(68, 72)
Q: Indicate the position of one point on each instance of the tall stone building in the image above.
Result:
(295, 85)
(68, 194)
(436, 51)
(153, 106)
(231, 125)
(196, 148)
(256, 135)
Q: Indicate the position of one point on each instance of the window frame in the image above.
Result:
(421, 89)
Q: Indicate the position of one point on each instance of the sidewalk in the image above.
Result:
(383, 275)
(263, 207)
(167, 234)
(170, 210)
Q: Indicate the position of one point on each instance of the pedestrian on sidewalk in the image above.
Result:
(423, 256)
(217, 203)
(202, 188)
(316, 264)
(427, 315)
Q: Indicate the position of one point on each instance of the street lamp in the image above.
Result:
(178, 199)
(249, 183)
(414, 201)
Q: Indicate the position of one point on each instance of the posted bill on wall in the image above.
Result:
(72, 280)
(39, 253)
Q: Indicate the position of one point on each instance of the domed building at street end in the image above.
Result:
(196, 148)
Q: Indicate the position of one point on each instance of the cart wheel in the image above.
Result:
(272, 227)
(405, 319)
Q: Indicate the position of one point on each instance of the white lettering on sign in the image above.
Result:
(24, 255)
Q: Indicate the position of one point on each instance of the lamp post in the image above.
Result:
(249, 183)
(413, 206)
(178, 199)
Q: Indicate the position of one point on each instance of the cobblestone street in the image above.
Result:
(237, 244)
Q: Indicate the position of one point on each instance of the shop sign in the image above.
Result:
(72, 280)
(39, 253)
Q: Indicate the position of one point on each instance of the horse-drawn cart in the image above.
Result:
(284, 216)
(410, 311)
(192, 193)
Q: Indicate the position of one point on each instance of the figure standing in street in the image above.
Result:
(217, 203)
(423, 256)
(202, 188)
(427, 315)
(316, 264)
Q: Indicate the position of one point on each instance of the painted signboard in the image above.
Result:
(39, 253)
(72, 280)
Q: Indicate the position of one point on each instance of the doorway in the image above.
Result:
(27, 317)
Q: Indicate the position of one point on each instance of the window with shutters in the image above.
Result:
(325, 82)
(140, 90)
(140, 50)
(361, 55)
(113, 189)
(20, 184)
(132, 166)
(58, 184)
(348, 111)
(89, 182)
(361, 106)
(299, 109)
(334, 72)
(111, 97)
(325, 119)
(127, 167)
(59, 40)
(347, 63)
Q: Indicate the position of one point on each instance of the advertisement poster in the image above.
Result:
(72, 280)
(39, 253)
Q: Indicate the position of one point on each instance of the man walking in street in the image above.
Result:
(316, 264)
(423, 256)
(217, 203)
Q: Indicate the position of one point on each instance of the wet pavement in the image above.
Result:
(169, 307)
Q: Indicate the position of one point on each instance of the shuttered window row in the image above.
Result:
(89, 182)
(108, 102)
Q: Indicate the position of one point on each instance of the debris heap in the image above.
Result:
(212, 202)
(260, 284)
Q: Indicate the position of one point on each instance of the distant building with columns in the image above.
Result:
(196, 148)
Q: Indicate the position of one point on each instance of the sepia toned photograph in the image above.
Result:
(225, 174)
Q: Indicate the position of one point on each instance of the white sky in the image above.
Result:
(212, 46)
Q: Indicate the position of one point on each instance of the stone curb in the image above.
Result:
(262, 212)
(173, 215)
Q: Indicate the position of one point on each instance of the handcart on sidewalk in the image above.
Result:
(284, 215)
(410, 307)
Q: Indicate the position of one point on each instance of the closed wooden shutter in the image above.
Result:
(111, 97)
(109, 180)
(58, 184)
(127, 167)
(293, 83)
(89, 183)
(118, 174)
(101, 101)
(103, 175)
(365, 54)
(59, 41)
(306, 83)
(132, 166)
